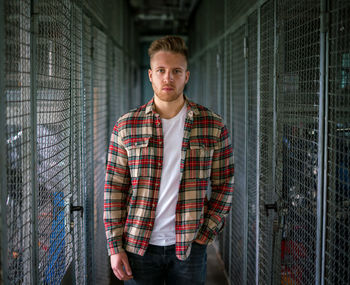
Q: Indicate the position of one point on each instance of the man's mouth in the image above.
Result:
(168, 88)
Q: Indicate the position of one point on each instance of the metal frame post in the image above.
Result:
(246, 121)
(257, 150)
(93, 279)
(82, 144)
(3, 175)
(322, 146)
(33, 139)
(219, 94)
(228, 116)
(72, 142)
(274, 139)
(225, 81)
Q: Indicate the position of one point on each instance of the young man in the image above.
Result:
(161, 158)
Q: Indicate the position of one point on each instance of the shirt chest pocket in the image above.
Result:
(140, 157)
(199, 160)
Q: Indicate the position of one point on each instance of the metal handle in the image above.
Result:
(76, 208)
(270, 207)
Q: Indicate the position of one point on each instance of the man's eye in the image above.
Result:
(160, 70)
(177, 71)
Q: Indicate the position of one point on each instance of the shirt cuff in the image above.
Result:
(205, 235)
(114, 247)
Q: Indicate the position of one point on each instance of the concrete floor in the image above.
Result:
(215, 270)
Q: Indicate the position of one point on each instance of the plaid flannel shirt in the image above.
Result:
(133, 175)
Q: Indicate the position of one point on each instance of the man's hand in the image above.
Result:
(199, 241)
(120, 266)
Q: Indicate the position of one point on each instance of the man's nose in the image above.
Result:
(168, 76)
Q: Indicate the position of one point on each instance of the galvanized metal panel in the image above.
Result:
(266, 175)
(239, 195)
(251, 148)
(297, 127)
(77, 200)
(17, 111)
(337, 245)
(87, 148)
(53, 140)
(100, 141)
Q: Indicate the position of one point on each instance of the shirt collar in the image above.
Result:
(191, 107)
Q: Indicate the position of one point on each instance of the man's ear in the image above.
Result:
(150, 74)
(187, 76)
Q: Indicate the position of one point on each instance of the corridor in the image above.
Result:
(276, 71)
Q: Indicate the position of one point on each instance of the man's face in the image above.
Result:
(168, 75)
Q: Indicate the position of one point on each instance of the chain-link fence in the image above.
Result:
(285, 93)
(59, 78)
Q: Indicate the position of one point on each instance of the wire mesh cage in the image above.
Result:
(337, 253)
(282, 150)
(297, 135)
(87, 144)
(56, 120)
(100, 127)
(251, 172)
(239, 196)
(257, 64)
(77, 105)
(266, 142)
(18, 141)
(53, 139)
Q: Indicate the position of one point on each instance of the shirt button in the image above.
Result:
(159, 164)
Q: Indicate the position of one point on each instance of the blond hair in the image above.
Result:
(173, 44)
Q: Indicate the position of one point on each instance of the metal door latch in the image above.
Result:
(76, 208)
(270, 207)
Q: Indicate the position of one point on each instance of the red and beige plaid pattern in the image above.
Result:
(134, 168)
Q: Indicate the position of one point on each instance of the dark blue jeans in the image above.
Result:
(160, 266)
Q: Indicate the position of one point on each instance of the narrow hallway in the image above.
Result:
(277, 72)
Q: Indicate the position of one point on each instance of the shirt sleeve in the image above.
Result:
(117, 185)
(222, 178)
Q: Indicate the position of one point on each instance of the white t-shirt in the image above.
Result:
(163, 233)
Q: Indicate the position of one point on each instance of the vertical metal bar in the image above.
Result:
(225, 114)
(274, 131)
(3, 154)
(257, 150)
(231, 93)
(71, 132)
(33, 139)
(275, 43)
(93, 281)
(246, 93)
(218, 83)
(325, 164)
(109, 72)
(322, 147)
(228, 115)
(82, 148)
(208, 80)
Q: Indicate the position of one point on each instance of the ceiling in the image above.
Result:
(162, 17)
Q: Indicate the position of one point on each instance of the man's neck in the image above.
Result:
(168, 110)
